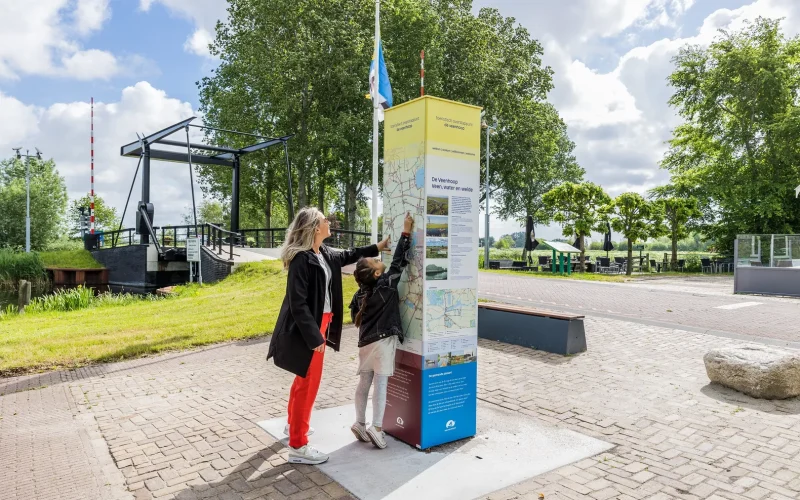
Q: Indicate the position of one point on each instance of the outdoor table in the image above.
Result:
(564, 253)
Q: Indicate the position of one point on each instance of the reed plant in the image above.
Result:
(15, 266)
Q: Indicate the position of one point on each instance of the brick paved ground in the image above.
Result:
(183, 425)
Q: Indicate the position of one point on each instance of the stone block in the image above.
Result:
(759, 371)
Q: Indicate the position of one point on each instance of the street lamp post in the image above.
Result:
(28, 156)
(489, 129)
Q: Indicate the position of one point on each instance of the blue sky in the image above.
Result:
(168, 65)
(140, 60)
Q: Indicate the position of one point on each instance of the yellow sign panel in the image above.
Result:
(448, 128)
(404, 125)
(454, 129)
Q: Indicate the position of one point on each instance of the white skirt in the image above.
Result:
(378, 356)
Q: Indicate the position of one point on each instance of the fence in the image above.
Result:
(216, 236)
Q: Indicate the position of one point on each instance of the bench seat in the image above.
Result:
(550, 331)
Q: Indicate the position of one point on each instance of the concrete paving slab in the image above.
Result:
(509, 448)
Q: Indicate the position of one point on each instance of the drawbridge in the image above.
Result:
(146, 257)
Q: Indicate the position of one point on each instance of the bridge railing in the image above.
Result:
(218, 239)
(274, 238)
(167, 236)
(222, 241)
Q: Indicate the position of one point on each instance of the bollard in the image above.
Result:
(24, 295)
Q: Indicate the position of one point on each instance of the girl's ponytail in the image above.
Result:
(361, 310)
(365, 277)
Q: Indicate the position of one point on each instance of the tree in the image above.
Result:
(504, 243)
(540, 159)
(680, 215)
(105, 217)
(48, 203)
(579, 208)
(637, 219)
(209, 211)
(737, 150)
(312, 83)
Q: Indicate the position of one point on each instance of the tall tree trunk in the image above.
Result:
(302, 173)
(321, 185)
(674, 263)
(583, 254)
(351, 203)
(321, 196)
(630, 258)
(268, 208)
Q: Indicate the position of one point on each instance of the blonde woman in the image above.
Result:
(310, 319)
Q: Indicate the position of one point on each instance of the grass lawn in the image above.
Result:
(70, 259)
(245, 305)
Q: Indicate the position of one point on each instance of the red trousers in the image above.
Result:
(304, 393)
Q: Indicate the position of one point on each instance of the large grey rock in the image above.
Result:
(756, 370)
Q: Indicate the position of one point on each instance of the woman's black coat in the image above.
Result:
(297, 332)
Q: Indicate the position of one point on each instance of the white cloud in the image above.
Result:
(198, 43)
(89, 15)
(61, 131)
(204, 14)
(618, 114)
(91, 64)
(19, 122)
(43, 38)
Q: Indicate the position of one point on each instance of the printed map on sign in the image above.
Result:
(449, 310)
(404, 191)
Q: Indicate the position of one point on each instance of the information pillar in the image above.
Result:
(432, 169)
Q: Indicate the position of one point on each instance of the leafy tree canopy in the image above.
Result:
(737, 150)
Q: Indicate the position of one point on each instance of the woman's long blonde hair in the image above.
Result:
(300, 235)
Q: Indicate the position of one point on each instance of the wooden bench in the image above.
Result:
(559, 333)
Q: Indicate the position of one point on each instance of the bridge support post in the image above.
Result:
(145, 236)
(235, 195)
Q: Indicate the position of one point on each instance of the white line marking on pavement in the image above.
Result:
(739, 305)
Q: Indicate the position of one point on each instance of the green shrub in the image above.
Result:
(72, 299)
(692, 264)
(62, 300)
(15, 266)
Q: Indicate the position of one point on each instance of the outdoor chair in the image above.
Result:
(681, 264)
(544, 261)
(706, 264)
(603, 263)
(494, 264)
(654, 266)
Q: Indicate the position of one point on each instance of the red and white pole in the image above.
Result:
(91, 193)
(422, 73)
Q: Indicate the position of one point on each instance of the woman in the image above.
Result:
(310, 318)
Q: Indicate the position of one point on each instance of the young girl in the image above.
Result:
(375, 311)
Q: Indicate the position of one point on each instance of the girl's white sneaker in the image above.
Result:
(360, 432)
(377, 437)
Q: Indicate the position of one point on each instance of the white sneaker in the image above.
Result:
(307, 455)
(286, 430)
(377, 437)
(360, 432)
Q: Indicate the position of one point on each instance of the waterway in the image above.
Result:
(11, 296)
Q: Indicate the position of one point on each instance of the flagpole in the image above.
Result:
(375, 104)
